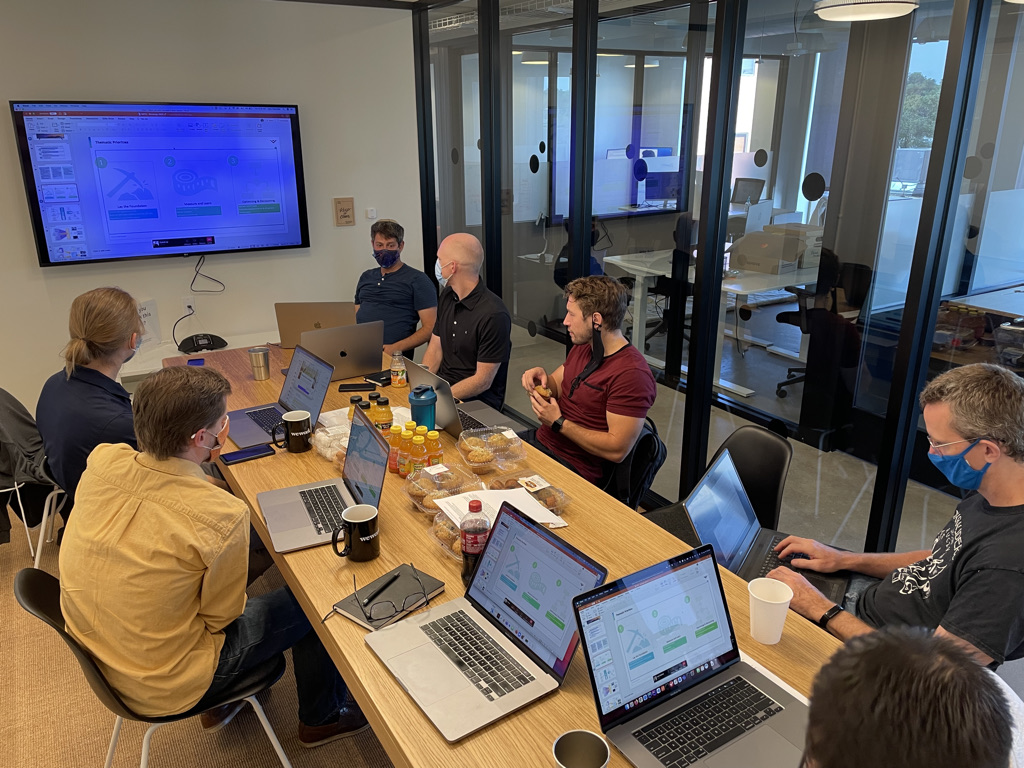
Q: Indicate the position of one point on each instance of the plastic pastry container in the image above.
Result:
(490, 448)
(1009, 340)
(445, 534)
(426, 485)
(546, 495)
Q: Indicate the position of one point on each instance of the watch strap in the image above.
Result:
(556, 425)
(830, 614)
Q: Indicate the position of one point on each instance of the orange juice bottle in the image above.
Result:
(394, 439)
(417, 454)
(384, 416)
(421, 430)
(403, 453)
(435, 453)
(353, 401)
(411, 426)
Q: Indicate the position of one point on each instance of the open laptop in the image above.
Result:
(668, 681)
(471, 414)
(516, 619)
(355, 350)
(305, 387)
(722, 515)
(294, 317)
(306, 515)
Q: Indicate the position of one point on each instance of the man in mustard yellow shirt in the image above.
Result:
(153, 570)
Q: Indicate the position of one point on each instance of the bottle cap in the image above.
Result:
(383, 401)
(475, 506)
(406, 434)
(374, 395)
(433, 435)
(365, 405)
(421, 430)
(396, 429)
(418, 440)
(411, 426)
(356, 399)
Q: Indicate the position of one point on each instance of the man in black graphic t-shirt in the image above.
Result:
(970, 587)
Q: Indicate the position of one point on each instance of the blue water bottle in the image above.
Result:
(423, 402)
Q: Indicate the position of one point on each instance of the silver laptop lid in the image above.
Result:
(305, 384)
(655, 634)
(721, 512)
(366, 461)
(525, 582)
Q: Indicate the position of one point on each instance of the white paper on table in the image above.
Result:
(457, 507)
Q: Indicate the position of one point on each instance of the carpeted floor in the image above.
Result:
(52, 719)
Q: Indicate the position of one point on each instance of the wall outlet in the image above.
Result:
(188, 303)
(371, 213)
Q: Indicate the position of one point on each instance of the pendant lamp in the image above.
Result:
(863, 10)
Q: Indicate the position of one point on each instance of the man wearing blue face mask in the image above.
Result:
(970, 586)
(396, 293)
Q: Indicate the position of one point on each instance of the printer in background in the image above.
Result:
(773, 254)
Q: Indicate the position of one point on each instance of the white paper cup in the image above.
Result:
(580, 749)
(769, 604)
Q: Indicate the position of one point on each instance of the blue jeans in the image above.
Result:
(859, 584)
(270, 624)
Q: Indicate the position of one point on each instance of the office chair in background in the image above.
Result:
(39, 593)
(632, 477)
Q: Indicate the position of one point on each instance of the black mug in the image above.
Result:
(297, 431)
(361, 533)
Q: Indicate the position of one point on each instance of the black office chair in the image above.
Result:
(632, 477)
(39, 593)
(762, 460)
(805, 302)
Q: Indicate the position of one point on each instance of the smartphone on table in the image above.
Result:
(247, 454)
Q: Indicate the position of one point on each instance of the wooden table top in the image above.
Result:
(605, 529)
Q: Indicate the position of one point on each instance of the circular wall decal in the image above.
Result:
(813, 186)
(534, 164)
(760, 158)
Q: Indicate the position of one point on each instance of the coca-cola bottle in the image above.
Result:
(474, 530)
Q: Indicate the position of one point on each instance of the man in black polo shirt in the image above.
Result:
(471, 342)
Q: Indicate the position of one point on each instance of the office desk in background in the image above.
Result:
(613, 534)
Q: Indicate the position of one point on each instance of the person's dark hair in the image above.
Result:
(388, 229)
(903, 698)
(175, 403)
(600, 293)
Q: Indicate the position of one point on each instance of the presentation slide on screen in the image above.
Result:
(116, 181)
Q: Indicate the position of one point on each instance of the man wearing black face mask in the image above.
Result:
(594, 405)
(396, 293)
(970, 586)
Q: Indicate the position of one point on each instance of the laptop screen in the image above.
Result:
(305, 385)
(366, 461)
(526, 579)
(721, 513)
(654, 634)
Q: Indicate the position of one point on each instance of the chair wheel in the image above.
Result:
(780, 392)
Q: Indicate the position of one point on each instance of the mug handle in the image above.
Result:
(273, 435)
(344, 530)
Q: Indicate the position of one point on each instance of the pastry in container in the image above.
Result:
(546, 494)
(445, 534)
(425, 486)
(490, 448)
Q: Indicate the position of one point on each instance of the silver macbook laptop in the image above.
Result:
(720, 511)
(505, 644)
(355, 350)
(306, 515)
(668, 682)
(472, 414)
(294, 317)
(305, 387)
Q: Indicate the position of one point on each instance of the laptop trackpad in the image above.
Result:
(286, 517)
(428, 673)
(764, 748)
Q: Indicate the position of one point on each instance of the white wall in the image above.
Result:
(350, 70)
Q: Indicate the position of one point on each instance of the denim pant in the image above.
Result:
(270, 624)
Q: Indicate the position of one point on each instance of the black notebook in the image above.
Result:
(401, 592)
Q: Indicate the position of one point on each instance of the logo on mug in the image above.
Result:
(371, 537)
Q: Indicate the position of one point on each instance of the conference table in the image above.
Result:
(608, 531)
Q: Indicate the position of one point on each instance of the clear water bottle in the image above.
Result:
(399, 375)
(474, 530)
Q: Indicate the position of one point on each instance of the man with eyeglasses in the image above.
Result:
(970, 586)
(592, 408)
(153, 571)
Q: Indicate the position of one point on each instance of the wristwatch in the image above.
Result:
(556, 425)
(830, 614)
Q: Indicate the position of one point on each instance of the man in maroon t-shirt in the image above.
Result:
(601, 394)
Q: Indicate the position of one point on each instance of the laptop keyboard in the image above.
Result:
(468, 422)
(484, 663)
(265, 418)
(771, 562)
(694, 731)
(324, 506)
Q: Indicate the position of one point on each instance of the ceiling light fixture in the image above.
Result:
(863, 10)
(534, 57)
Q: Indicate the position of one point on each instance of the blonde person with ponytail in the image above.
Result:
(83, 405)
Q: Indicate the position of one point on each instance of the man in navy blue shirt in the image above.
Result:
(396, 293)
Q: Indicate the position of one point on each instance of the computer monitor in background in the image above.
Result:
(747, 189)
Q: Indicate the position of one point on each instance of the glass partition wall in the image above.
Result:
(823, 207)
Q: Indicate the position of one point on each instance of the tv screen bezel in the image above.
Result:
(36, 214)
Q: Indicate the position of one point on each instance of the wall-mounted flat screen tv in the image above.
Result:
(123, 181)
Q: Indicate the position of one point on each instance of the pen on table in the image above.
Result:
(378, 590)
